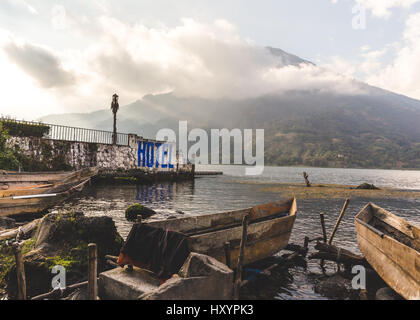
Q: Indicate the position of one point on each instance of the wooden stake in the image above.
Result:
(324, 231)
(306, 245)
(92, 272)
(20, 273)
(340, 217)
(227, 253)
(237, 285)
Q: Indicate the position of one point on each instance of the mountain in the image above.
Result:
(373, 129)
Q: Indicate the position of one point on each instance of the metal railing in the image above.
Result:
(66, 133)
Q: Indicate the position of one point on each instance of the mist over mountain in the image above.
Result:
(368, 128)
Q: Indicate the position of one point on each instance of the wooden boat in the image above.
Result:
(12, 180)
(50, 187)
(38, 203)
(40, 198)
(269, 230)
(391, 245)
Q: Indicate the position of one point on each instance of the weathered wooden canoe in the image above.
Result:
(38, 203)
(12, 180)
(391, 245)
(269, 230)
(22, 191)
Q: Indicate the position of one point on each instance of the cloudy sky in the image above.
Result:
(71, 56)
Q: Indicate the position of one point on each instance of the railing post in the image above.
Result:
(92, 272)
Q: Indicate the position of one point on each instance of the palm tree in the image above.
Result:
(114, 107)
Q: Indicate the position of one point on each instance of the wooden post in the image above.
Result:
(92, 272)
(227, 253)
(324, 231)
(238, 273)
(20, 273)
(306, 244)
(139, 218)
(340, 217)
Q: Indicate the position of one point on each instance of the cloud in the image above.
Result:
(191, 59)
(40, 64)
(195, 59)
(402, 73)
(22, 4)
(382, 8)
(394, 67)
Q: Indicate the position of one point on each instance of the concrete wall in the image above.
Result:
(104, 156)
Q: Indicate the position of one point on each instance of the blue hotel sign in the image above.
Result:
(155, 155)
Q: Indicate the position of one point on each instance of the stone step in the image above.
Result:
(122, 284)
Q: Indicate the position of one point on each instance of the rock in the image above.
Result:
(133, 211)
(336, 287)
(7, 223)
(387, 294)
(200, 278)
(367, 186)
(62, 239)
(199, 265)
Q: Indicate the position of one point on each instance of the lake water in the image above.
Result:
(209, 194)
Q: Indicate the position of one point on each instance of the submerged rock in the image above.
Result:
(336, 287)
(134, 210)
(62, 239)
(367, 186)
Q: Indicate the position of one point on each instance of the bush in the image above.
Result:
(18, 129)
(8, 160)
(133, 211)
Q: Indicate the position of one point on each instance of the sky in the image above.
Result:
(71, 56)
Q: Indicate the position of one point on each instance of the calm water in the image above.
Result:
(220, 193)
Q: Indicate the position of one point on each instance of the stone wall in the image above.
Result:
(82, 154)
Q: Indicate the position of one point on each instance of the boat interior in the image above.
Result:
(383, 223)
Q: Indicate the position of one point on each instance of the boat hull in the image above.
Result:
(264, 239)
(10, 206)
(397, 263)
(268, 232)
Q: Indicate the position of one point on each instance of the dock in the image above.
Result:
(208, 173)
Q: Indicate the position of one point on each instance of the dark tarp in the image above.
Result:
(158, 250)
